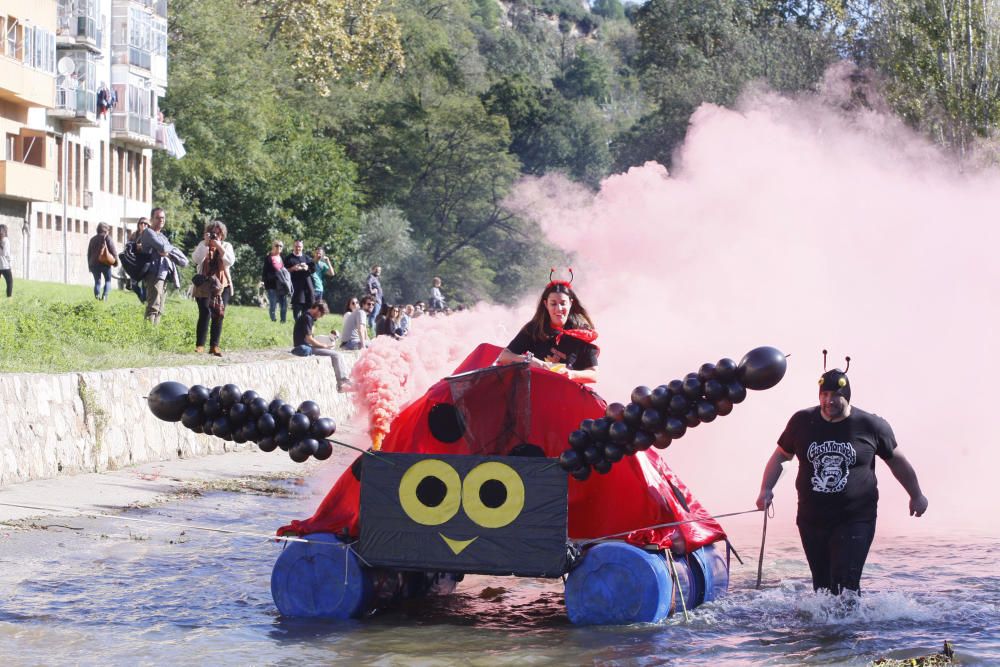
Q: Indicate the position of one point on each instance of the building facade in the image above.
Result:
(105, 66)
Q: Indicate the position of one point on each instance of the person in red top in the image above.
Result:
(560, 337)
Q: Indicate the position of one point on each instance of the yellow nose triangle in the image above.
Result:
(457, 546)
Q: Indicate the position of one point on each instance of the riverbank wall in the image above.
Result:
(68, 423)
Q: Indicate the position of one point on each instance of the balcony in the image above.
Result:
(80, 31)
(26, 182)
(24, 85)
(131, 128)
(77, 106)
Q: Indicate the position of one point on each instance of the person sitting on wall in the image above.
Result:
(307, 345)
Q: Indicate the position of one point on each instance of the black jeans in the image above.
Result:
(8, 277)
(837, 554)
(205, 314)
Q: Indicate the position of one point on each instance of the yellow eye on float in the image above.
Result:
(493, 494)
(842, 382)
(430, 492)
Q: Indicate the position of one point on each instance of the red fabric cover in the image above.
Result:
(636, 493)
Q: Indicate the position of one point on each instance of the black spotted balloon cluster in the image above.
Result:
(245, 416)
(656, 417)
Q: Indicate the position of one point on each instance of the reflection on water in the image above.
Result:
(132, 593)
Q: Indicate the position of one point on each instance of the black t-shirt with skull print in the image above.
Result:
(836, 480)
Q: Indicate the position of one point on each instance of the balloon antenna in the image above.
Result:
(824, 361)
(848, 364)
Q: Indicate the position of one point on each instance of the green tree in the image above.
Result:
(585, 77)
(609, 9)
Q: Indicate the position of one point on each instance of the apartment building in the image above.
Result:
(106, 70)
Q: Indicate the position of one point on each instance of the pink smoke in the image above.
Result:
(785, 222)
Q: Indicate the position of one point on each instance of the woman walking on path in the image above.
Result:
(99, 250)
(276, 293)
(5, 264)
(213, 257)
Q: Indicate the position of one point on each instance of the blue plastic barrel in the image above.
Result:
(617, 583)
(320, 579)
(711, 573)
(688, 588)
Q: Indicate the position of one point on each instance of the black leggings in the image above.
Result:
(205, 314)
(8, 277)
(837, 554)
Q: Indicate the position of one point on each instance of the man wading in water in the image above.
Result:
(836, 445)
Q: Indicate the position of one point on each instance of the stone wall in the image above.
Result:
(90, 422)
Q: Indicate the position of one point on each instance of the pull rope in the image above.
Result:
(664, 525)
(186, 526)
(769, 511)
(677, 585)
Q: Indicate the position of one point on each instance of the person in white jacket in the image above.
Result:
(5, 264)
(212, 258)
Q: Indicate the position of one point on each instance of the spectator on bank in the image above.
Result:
(166, 259)
(307, 345)
(388, 322)
(101, 256)
(437, 299)
(276, 288)
(404, 321)
(351, 305)
(140, 258)
(300, 267)
(355, 336)
(6, 266)
(419, 309)
(374, 285)
(322, 269)
(212, 259)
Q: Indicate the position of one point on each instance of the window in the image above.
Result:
(10, 153)
(58, 223)
(86, 227)
(29, 53)
(48, 221)
(41, 219)
(14, 39)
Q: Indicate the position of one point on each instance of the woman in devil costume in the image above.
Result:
(560, 337)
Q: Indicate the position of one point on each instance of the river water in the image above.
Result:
(101, 591)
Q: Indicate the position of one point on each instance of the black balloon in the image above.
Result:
(692, 375)
(283, 439)
(642, 395)
(593, 454)
(603, 466)
(662, 440)
(633, 414)
(197, 394)
(249, 396)
(615, 412)
(258, 407)
(570, 460)
(691, 418)
(579, 440)
(168, 401)
(582, 474)
(652, 420)
(675, 427)
(267, 425)
(643, 440)
(619, 432)
(299, 454)
(215, 391)
(661, 398)
(629, 448)
(725, 370)
(678, 405)
(706, 372)
(613, 452)
(285, 413)
(675, 386)
(309, 409)
(298, 425)
(309, 444)
(599, 432)
(274, 406)
(221, 428)
(762, 368)
(267, 444)
(323, 427)
(324, 450)
(238, 413)
(587, 426)
(692, 388)
(230, 394)
(192, 417)
(723, 407)
(250, 429)
(206, 426)
(706, 411)
(212, 408)
(714, 390)
(239, 435)
(736, 392)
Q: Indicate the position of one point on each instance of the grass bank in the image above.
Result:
(56, 328)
